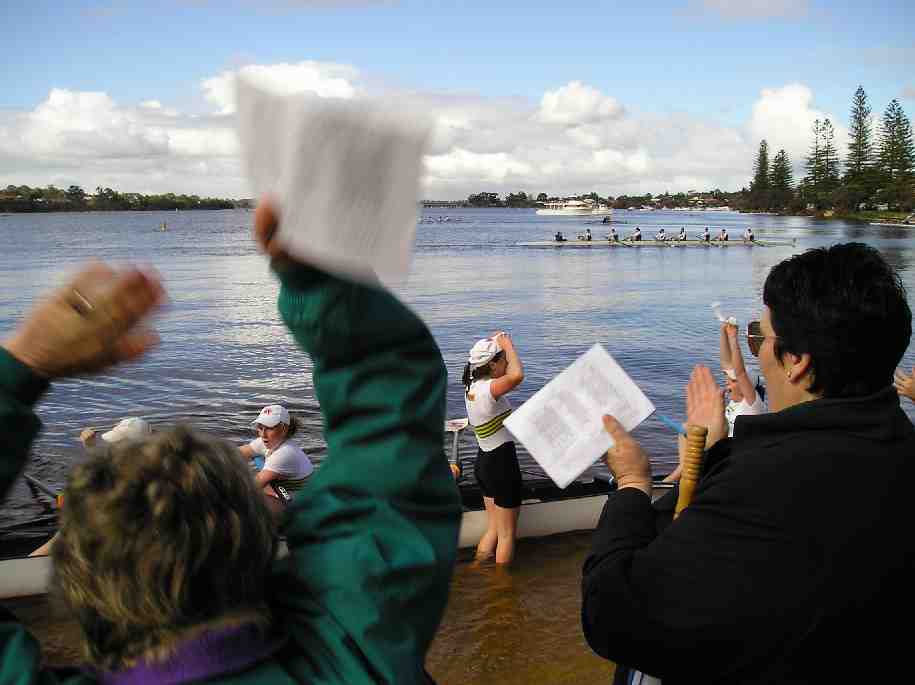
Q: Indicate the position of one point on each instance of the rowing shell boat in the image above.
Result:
(545, 510)
(659, 243)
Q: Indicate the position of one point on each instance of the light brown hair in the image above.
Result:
(158, 537)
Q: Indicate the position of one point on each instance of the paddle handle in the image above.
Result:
(692, 464)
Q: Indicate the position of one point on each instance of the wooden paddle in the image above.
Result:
(692, 464)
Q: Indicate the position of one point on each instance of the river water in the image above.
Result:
(225, 353)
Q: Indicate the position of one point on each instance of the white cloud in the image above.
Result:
(321, 78)
(574, 139)
(757, 9)
(784, 117)
(577, 103)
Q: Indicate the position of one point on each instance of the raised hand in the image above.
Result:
(705, 404)
(905, 385)
(90, 323)
(626, 460)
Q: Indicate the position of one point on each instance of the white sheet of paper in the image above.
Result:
(561, 425)
(344, 175)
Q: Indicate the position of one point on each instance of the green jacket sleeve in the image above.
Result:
(373, 536)
(19, 390)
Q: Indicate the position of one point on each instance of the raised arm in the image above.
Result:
(85, 326)
(373, 537)
(514, 372)
(747, 389)
(725, 349)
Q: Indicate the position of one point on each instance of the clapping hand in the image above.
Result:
(905, 384)
(705, 404)
(90, 323)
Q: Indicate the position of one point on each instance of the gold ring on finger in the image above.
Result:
(81, 303)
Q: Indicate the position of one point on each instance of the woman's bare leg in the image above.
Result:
(487, 544)
(507, 527)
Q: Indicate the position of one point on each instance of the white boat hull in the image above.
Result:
(539, 519)
(24, 577)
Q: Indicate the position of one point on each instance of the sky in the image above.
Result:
(563, 98)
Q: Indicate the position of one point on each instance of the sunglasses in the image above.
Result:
(755, 337)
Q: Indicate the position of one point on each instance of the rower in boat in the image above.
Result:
(748, 235)
(613, 236)
(636, 235)
(286, 467)
(722, 235)
(706, 236)
(661, 235)
(559, 238)
(605, 220)
(682, 234)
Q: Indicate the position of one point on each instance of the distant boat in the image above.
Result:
(574, 208)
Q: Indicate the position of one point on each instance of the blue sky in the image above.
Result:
(690, 63)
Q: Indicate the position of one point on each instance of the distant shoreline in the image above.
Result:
(108, 211)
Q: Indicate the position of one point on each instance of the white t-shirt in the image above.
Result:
(735, 409)
(486, 415)
(288, 459)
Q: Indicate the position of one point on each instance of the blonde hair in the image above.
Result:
(156, 538)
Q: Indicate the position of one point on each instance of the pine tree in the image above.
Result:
(812, 182)
(760, 194)
(897, 156)
(860, 182)
(831, 163)
(860, 146)
(781, 181)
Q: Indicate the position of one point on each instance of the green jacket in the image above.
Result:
(372, 539)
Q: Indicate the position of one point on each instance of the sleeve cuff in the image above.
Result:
(18, 381)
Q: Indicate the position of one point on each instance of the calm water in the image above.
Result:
(224, 352)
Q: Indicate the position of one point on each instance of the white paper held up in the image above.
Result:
(561, 425)
(344, 175)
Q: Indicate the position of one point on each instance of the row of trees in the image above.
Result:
(710, 198)
(74, 199)
(879, 168)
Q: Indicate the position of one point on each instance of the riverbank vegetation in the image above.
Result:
(75, 199)
(876, 180)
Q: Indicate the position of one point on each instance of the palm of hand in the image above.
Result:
(705, 404)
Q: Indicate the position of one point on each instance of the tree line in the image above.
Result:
(74, 199)
(878, 171)
(710, 198)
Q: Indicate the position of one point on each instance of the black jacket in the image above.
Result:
(794, 562)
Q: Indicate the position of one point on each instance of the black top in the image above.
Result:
(794, 562)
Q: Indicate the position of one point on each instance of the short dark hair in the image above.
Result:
(158, 537)
(847, 308)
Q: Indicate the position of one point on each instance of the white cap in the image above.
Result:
(271, 415)
(483, 352)
(133, 428)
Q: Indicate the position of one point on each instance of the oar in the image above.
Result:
(455, 426)
(692, 464)
(45, 488)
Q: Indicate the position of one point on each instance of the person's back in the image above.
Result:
(820, 582)
(794, 557)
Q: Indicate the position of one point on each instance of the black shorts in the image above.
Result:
(499, 475)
